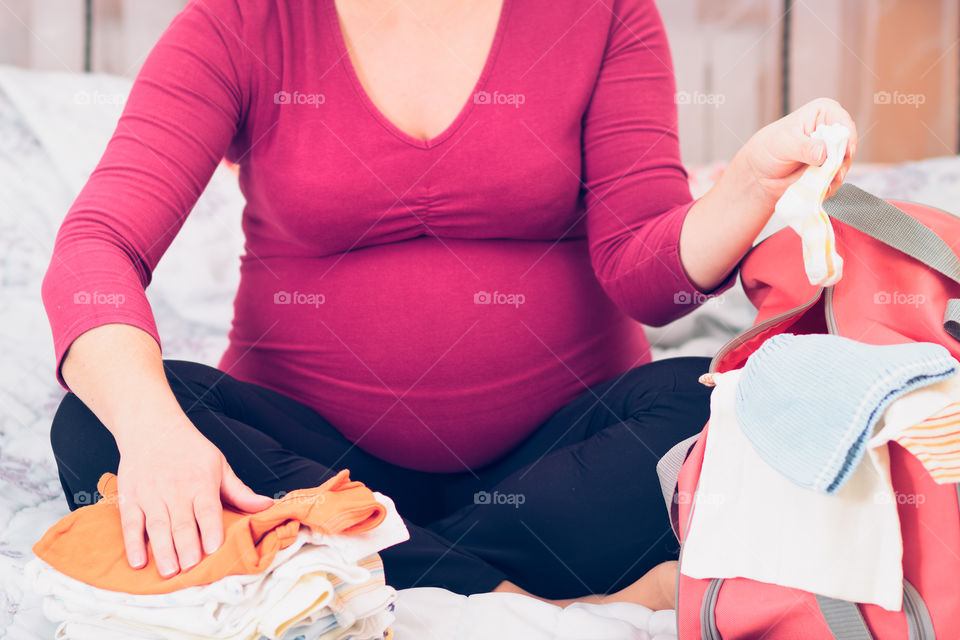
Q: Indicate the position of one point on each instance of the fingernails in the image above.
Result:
(209, 546)
(166, 568)
(136, 560)
(189, 561)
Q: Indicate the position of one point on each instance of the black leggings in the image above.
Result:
(575, 509)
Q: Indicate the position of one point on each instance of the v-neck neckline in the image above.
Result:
(375, 111)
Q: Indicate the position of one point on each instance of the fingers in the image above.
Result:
(827, 111)
(132, 525)
(234, 492)
(158, 531)
(803, 149)
(186, 538)
(209, 515)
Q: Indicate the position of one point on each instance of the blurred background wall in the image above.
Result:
(739, 63)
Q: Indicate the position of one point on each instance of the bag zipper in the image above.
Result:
(828, 312)
(753, 331)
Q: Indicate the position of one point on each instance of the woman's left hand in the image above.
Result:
(721, 226)
(777, 154)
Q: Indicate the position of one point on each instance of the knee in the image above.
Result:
(191, 382)
(670, 376)
(83, 449)
(71, 416)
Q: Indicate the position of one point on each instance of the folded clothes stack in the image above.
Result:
(306, 568)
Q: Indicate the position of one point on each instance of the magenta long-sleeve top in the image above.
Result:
(434, 300)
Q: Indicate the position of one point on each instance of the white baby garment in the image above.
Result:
(801, 207)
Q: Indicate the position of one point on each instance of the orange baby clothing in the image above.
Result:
(935, 441)
(87, 544)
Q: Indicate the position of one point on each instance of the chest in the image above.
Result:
(418, 61)
(493, 152)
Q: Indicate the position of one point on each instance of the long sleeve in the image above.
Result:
(636, 189)
(184, 109)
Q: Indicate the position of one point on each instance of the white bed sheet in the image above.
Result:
(53, 128)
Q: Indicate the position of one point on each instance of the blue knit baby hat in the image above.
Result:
(809, 403)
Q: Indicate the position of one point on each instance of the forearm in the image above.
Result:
(721, 226)
(117, 371)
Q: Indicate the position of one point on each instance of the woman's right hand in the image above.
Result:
(172, 482)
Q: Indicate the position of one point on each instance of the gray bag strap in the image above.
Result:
(844, 619)
(668, 468)
(884, 222)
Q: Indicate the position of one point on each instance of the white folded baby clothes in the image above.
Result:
(751, 521)
(801, 207)
(320, 586)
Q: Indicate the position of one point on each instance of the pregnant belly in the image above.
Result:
(438, 356)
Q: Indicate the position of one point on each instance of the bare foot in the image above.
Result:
(655, 590)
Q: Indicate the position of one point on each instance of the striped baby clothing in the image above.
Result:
(809, 403)
(936, 443)
(801, 207)
(926, 423)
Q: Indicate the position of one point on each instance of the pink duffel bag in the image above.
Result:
(901, 283)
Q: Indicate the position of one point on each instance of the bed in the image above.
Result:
(53, 128)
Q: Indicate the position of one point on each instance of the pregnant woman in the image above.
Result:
(456, 214)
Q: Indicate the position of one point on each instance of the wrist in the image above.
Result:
(143, 422)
